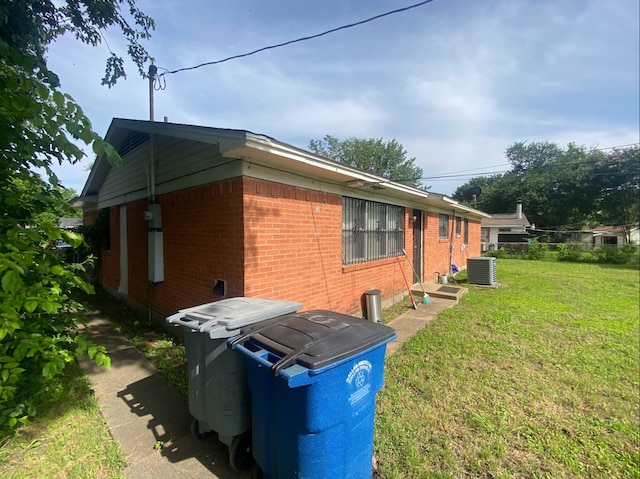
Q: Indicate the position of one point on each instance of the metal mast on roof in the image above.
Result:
(153, 70)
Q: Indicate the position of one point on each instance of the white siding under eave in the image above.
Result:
(179, 164)
(127, 182)
(182, 164)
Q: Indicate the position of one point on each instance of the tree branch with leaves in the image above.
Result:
(41, 124)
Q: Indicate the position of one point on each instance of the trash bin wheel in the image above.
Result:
(195, 430)
(240, 456)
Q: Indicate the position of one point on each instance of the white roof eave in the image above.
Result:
(268, 145)
(241, 143)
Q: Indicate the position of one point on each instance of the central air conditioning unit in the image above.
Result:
(481, 271)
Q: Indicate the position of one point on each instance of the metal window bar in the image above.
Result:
(444, 226)
(370, 230)
(466, 231)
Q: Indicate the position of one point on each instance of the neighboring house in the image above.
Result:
(504, 228)
(634, 235)
(595, 237)
(196, 214)
(607, 235)
(69, 223)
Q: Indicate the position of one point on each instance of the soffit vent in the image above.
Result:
(132, 141)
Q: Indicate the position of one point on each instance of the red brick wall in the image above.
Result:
(473, 248)
(267, 240)
(436, 251)
(137, 251)
(203, 241)
(294, 250)
(88, 217)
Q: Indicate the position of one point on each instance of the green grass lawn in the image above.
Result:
(537, 378)
(68, 439)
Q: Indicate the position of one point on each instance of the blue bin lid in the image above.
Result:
(314, 339)
(225, 318)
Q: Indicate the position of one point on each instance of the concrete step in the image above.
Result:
(435, 290)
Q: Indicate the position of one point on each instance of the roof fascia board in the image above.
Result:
(275, 147)
(227, 139)
(459, 206)
(420, 198)
(231, 142)
(84, 201)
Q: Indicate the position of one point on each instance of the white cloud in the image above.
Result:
(455, 82)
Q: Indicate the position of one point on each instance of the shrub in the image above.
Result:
(499, 253)
(38, 319)
(537, 251)
(570, 252)
(612, 254)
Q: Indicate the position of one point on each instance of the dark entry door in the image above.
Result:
(417, 243)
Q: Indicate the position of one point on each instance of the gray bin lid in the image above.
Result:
(314, 339)
(225, 318)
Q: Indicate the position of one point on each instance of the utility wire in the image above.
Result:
(548, 167)
(311, 37)
(617, 146)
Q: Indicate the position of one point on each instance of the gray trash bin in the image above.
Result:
(219, 397)
(373, 305)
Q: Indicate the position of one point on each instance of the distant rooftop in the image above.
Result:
(505, 220)
(69, 223)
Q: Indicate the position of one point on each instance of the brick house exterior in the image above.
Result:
(239, 214)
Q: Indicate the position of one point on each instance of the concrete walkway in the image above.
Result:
(148, 418)
(409, 323)
(151, 422)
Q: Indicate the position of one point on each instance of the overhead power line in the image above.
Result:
(303, 39)
(549, 168)
(618, 146)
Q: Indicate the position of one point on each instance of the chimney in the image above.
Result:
(519, 209)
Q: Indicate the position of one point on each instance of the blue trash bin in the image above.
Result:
(219, 397)
(314, 377)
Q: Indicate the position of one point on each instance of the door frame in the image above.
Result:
(123, 288)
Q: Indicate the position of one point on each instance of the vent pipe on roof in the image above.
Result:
(519, 209)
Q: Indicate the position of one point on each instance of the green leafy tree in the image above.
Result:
(555, 183)
(499, 193)
(388, 159)
(618, 179)
(563, 187)
(34, 201)
(39, 125)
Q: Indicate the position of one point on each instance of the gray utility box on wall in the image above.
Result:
(481, 270)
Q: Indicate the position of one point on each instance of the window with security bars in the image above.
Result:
(466, 231)
(443, 226)
(370, 230)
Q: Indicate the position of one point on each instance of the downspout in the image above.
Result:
(152, 171)
(152, 200)
(453, 227)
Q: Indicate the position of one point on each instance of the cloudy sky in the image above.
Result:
(455, 81)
